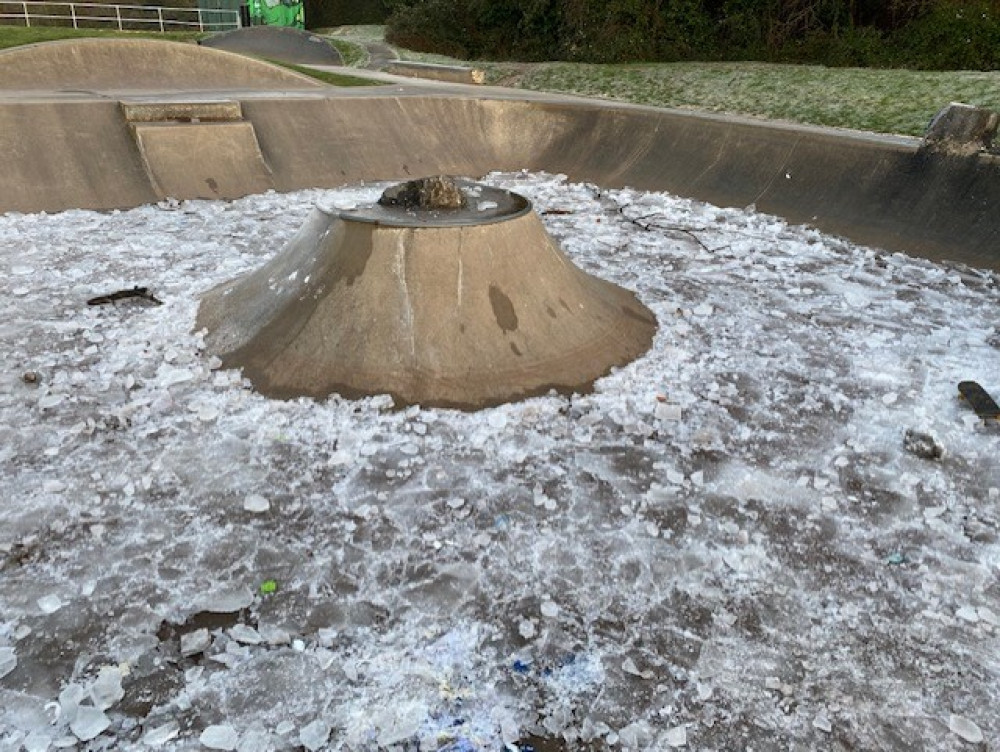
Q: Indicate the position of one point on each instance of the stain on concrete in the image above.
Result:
(548, 310)
(212, 184)
(515, 349)
(503, 310)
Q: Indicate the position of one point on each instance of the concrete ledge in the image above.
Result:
(199, 112)
(453, 73)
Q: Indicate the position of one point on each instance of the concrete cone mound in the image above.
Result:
(452, 308)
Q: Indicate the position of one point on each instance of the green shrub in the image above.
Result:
(439, 26)
(326, 13)
(953, 36)
(925, 34)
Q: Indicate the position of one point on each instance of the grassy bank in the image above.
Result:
(15, 36)
(885, 101)
(880, 100)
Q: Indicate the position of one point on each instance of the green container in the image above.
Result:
(278, 13)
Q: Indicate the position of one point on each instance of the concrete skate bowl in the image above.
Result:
(885, 191)
(276, 43)
(137, 64)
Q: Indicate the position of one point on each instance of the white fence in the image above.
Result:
(121, 17)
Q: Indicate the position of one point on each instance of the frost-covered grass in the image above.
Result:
(353, 54)
(729, 543)
(327, 77)
(361, 34)
(887, 101)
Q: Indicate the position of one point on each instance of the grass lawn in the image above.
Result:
(353, 55)
(884, 101)
(14, 36)
(333, 79)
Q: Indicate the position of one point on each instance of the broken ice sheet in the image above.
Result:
(256, 504)
(89, 723)
(160, 735)
(8, 661)
(49, 604)
(195, 642)
(226, 600)
(107, 688)
(314, 735)
(965, 729)
(736, 404)
(220, 736)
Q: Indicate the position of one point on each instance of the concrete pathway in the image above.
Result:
(380, 55)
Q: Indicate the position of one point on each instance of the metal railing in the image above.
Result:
(121, 17)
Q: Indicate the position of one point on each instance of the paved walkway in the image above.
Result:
(380, 55)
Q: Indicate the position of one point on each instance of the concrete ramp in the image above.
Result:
(276, 43)
(198, 149)
(138, 64)
(428, 308)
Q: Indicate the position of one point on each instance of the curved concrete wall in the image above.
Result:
(881, 191)
(137, 64)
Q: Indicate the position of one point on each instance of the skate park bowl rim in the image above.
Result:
(885, 191)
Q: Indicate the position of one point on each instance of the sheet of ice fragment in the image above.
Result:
(634, 564)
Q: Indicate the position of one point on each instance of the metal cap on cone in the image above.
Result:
(462, 306)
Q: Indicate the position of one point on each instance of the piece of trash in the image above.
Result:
(141, 293)
(268, 586)
(979, 400)
(895, 559)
